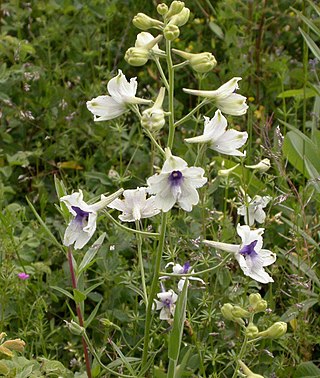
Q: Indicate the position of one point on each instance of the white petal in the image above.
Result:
(229, 142)
(120, 89)
(173, 163)
(235, 104)
(268, 257)
(143, 39)
(105, 108)
(233, 248)
(189, 197)
(165, 313)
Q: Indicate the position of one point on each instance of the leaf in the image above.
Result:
(294, 310)
(216, 29)
(62, 291)
(123, 358)
(92, 315)
(87, 291)
(311, 44)
(79, 296)
(308, 22)
(307, 370)
(69, 165)
(299, 93)
(175, 337)
(90, 254)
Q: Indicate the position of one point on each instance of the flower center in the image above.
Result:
(167, 302)
(175, 178)
(186, 268)
(82, 216)
(248, 250)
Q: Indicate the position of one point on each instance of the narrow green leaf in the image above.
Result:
(308, 22)
(79, 296)
(315, 7)
(181, 368)
(299, 93)
(216, 29)
(175, 337)
(62, 291)
(123, 358)
(307, 370)
(311, 44)
(91, 288)
(44, 226)
(90, 254)
(293, 311)
(92, 315)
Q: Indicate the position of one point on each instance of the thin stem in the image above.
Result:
(143, 279)
(170, 95)
(163, 76)
(153, 290)
(79, 313)
(194, 110)
(240, 356)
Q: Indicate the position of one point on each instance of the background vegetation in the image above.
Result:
(54, 56)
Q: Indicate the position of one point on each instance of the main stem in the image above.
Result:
(171, 95)
(143, 280)
(153, 290)
(79, 314)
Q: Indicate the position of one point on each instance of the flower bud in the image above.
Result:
(144, 22)
(175, 8)
(248, 372)
(257, 304)
(153, 118)
(226, 311)
(252, 330)
(239, 312)
(75, 328)
(180, 18)
(162, 9)
(202, 62)
(227, 172)
(136, 56)
(262, 166)
(277, 330)
(171, 32)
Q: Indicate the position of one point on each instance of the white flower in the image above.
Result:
(166, 304)
(249, 254)
(185, 269)
(176, 183)
(135, 205)
(219, 138)
(83, 225)
(254, 209)
(224, 97)
(148, 41)
(121, 93)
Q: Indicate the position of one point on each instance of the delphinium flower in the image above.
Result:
(121, 94)
(135, 205)
(249, 254)
(185, 269)
(84, 222)
(166, 304)
(176, 183)
(219, 138)
(254, 210)
(225, 97)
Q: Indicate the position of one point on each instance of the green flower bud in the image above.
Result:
(180, 18)
(75, 328)
(153, 118)
(256, 303)
(175, 8)
(252, 330)
(202, 62)
(162, 9)
(239, 312)
(137, 56)
(226, 311)
(277, 330)
(144, 22)
(248, 372)
(171, 32)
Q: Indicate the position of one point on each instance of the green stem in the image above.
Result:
(171, 368)
(143, 280)
(170, 95)
(153, 289)
(240, 356)
(163, 76)
(186, 117)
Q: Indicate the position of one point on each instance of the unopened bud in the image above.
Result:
(252, 330)
(257, 304)
(239, 312)
(202, 62)
(248, 373)
(153, 118)
(171, 32)
(227, 172)
(144, 22)
(277, 330)
(7, 352)
(175, 8)
(181, 18)
(262, 166)
(226, 311)
(16, 344)
(162, 9)
(136, 56)
(75, 328)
